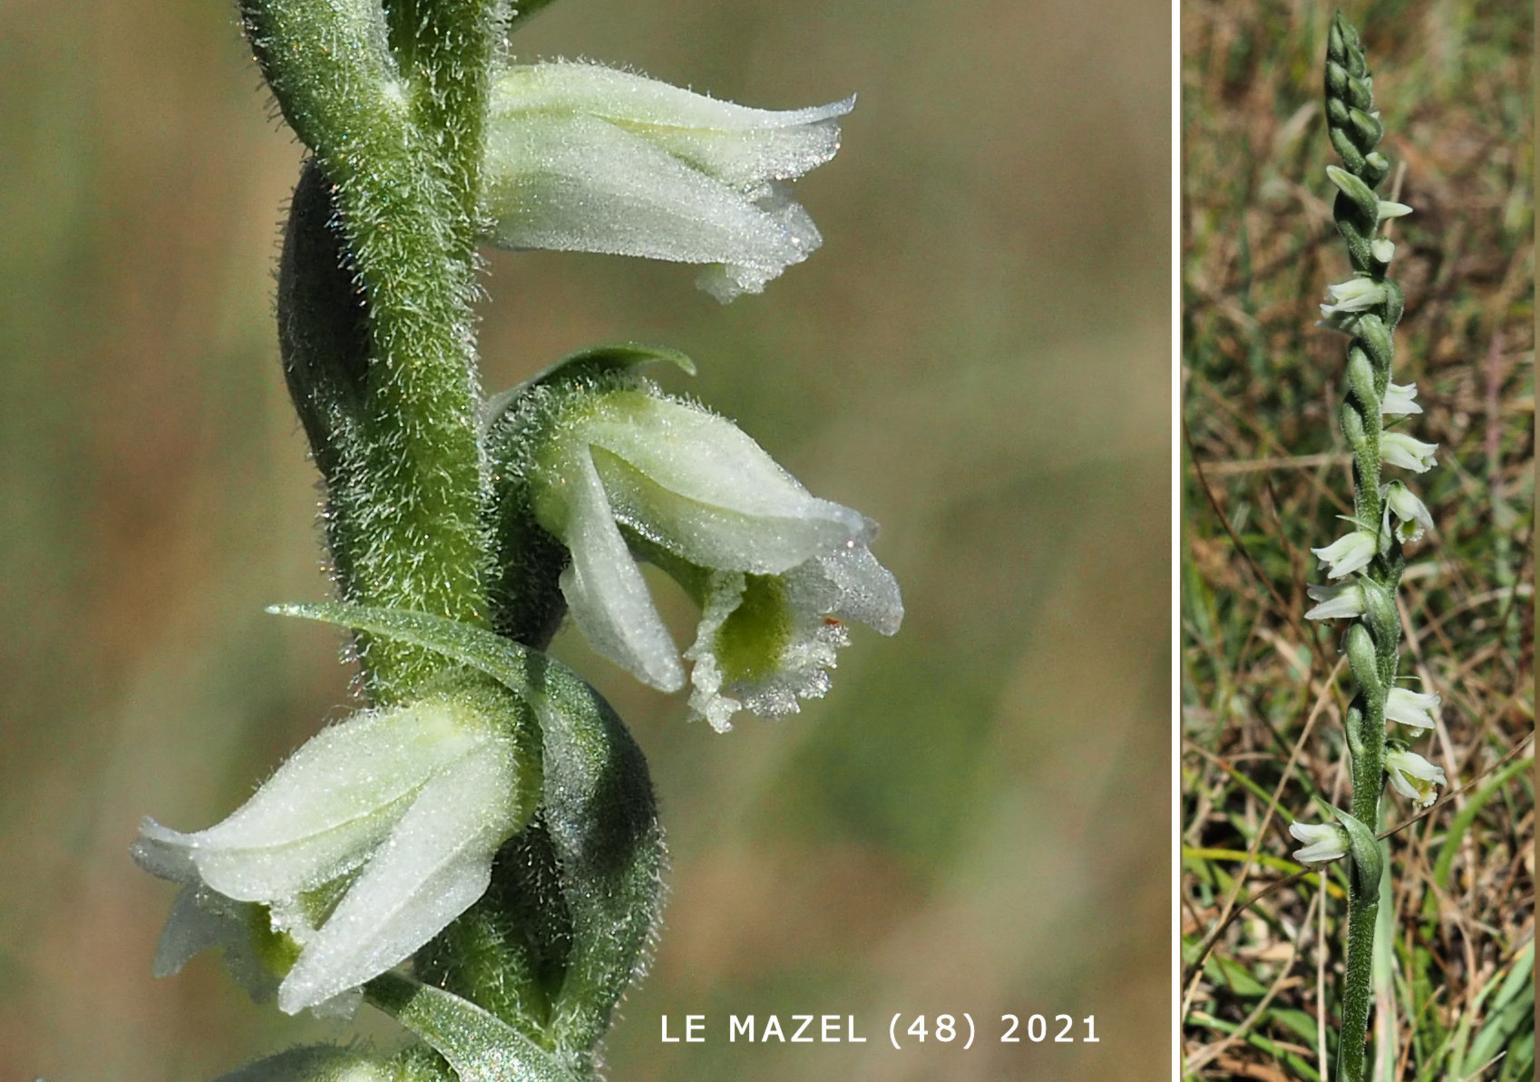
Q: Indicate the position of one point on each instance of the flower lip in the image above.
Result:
(763, 644)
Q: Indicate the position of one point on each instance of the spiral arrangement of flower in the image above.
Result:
(478, 851)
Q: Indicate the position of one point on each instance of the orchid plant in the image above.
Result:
(477, 851)
(1364, 566)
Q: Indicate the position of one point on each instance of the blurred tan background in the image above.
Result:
(975, 819)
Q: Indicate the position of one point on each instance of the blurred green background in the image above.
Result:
(975, 819)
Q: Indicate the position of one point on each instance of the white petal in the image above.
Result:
(190, 930)
(581, 184)
(324, 809)
(603, 586)
(742, 146)
(697, 485)
(203, 920)
(864, 590)
(434, 865)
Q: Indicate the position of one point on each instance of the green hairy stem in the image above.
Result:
(1372, 644)
(377, 340)
(397, 149)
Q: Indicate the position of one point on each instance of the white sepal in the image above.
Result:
(1353, 295)
(436, 862)
(323, 810)
(1335, 602)
(585, 158)
(1416, 709)
(1399, 449)
(1324, 842)
(1349, 553)
(1400, 400)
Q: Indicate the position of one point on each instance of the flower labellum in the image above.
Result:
(1324, 842)
(1413, 776)
(388, 820)
(1416, 709)
(776, 571)
(1399, 449)
(1343, 599)
(586, 158)
(1349, 553)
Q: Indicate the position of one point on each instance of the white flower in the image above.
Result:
(586, 158)
(394, 814)
(1383, 249)
(1412, 516)
(1343, 599)
(1413, 776)
(1387, 209)
(1399, 449)
(1417, 709)
(1324, 842)
(1349, 553)
(1400, 400)
(1353, 295)
(775, 569)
